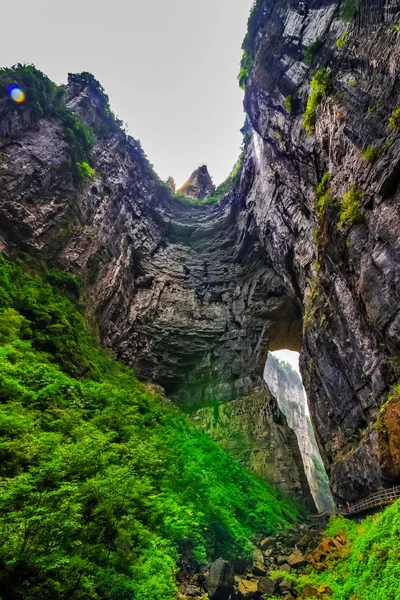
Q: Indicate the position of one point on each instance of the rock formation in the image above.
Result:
(287, 387)
(199, 185)
(194, 297)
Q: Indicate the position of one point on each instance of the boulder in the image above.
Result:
(248, 589)
(259, 569)
(267, 542)
(267, 586)
(219, 583)
(258, 556)
(296, 559)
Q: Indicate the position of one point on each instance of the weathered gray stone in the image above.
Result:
(220, 580)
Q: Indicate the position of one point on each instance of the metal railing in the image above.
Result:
(381, 498)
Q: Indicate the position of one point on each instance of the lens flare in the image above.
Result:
(16, 94)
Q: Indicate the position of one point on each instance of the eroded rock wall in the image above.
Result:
(179, 292)
(345, 272)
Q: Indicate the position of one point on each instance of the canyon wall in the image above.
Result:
(194, 297)
(242, 429)
(286, 385)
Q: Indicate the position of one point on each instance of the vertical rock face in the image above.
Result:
(286, 385)
(342, 254)
(194, 297)
(260, 441)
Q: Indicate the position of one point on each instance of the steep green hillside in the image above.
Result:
(369, 568)
(105, 488)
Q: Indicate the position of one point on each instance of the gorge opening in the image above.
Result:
(283, 378)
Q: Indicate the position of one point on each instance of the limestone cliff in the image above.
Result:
(194, 297)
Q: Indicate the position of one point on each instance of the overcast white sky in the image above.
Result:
(168, 66)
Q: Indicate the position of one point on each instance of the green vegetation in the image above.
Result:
(350, 208)
(249, 55)
(222, 189)
(323, 194)
(342, 41)
(370, 154)
(45, 98)
(312, 300)
(108, 123)
(394, 120)
(312, 50)
(349, 10)
(85, 172)
(320, 87)
(246, 65)
(104, 488)
(370, 570)
(288, 104)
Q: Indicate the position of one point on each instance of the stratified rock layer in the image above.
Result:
(194, 297)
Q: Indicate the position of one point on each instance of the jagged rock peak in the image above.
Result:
(171, 183)
(199, 185)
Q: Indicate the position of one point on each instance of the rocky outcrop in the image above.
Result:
(199, 185)
(194, 297)
(260, 442)
(286, 385)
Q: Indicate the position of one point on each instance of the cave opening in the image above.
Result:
(283, 378)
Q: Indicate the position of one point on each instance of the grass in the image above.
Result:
(342, 41)
(104, 488)
(320, 87)
(394, 120)
(323, 194)
(350, 208)
(370, 154)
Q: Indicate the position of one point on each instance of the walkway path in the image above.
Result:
(381, 498)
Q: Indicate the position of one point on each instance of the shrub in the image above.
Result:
(320, 86)
(350, 208)
(85, 172)
(369, 567)
(312, 50)
(394, 120)
(288, 104)
(370, 154)
(249, 53)
(105, 487)
(342, 41)
(246, 65)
